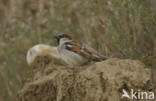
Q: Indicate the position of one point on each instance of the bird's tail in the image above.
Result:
(99, 58)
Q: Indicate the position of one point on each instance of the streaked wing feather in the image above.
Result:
(77, 47)
(84, 50)
(95, 55)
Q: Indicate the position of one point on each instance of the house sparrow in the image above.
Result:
(74, 52)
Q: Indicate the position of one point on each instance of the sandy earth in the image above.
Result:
(100, 81)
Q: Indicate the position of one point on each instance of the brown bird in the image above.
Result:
(74, 52)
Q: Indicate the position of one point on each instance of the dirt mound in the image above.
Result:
(101, 81)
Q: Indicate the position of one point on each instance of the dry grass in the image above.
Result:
(123, 28)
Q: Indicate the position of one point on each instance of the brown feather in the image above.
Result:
(76, 47)
(67, 36)
(83, 50)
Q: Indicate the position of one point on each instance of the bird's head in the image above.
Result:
(62, 38)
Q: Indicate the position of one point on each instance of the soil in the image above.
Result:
(100, 81)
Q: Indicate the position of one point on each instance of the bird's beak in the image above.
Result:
(56, 37)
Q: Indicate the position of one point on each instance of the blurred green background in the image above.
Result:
(115, 28)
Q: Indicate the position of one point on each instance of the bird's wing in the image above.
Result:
(77, 47)
(84, 50)
(95, 55)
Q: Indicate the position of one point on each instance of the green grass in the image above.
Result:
(123, 29)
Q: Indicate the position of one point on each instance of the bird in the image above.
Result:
(74, 52)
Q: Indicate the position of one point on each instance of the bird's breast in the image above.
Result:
(70, 57)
